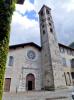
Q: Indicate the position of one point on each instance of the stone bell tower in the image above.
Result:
(52, 67)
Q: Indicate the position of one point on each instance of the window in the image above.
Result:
(31, 54)
(11, 61)
(51, 30)
(68, 78)
(43, 31)
(47, 11)
(68, 62)
(71, 52)
(62, 50)
(72, 63)
(64, 61)
(41, 13)
(7, 84)
(72, 74)
(68, 51)
(42, 26)
(50, 24)
(65, 78)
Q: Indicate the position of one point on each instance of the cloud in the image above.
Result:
(63, 17)
(24, 29)
(69, 6)
(27, 6)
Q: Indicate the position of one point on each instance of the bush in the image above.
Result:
(6, 11)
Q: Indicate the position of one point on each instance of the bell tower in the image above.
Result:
(52, 67)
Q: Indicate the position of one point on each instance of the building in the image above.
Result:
(67, 54)
(31, 67)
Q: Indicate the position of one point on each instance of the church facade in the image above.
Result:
(31, 67)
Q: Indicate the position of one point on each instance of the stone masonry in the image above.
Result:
(53, 74)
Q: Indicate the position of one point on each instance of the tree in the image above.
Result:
(6, 10)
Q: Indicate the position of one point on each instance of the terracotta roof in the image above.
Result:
(24, 44)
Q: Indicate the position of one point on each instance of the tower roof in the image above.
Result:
(44, 6)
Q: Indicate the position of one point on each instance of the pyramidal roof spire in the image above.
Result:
(44, 6)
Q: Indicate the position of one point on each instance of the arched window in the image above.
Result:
(41, 13)
(47, 11)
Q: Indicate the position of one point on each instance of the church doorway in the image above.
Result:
(30, 82)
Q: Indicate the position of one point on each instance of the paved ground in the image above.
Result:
(41, 95)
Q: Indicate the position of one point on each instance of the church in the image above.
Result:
(35, 68)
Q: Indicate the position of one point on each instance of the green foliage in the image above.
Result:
(6, 11)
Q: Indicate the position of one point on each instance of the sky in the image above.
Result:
(25, 21)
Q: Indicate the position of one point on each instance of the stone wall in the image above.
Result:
(53, 72)
(22, 66)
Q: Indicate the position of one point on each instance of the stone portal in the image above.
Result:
(30, 82)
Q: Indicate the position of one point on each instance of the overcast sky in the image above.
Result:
(25, 22)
